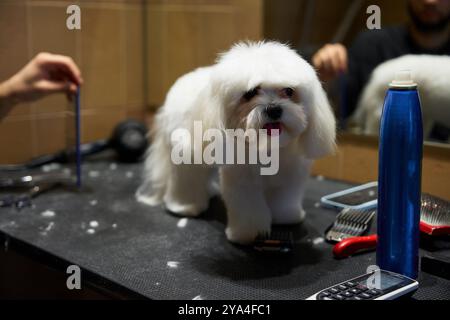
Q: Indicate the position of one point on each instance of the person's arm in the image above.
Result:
(7, 99)
(45, 74)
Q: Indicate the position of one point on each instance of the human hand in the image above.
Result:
(45, 74)
(330, 61)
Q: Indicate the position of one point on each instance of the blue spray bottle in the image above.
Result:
(399, 178)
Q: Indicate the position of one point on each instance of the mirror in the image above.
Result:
(357, 47)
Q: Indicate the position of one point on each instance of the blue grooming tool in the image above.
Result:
(343, 102)
(78, 136)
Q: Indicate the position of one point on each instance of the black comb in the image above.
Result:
(276, 241)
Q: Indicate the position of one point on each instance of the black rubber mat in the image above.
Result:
(148, 251)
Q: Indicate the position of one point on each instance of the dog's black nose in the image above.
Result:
(274, 112)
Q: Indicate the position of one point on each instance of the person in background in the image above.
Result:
(427, 32)
(45, 74)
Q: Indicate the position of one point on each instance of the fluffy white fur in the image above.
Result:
(214, 95)
(430, 72)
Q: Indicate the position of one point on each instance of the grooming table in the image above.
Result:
(146, 252)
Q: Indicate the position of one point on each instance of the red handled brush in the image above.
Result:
(434, 221)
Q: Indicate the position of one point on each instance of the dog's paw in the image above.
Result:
(302, 216)
(186, 210)
(244, 236)
(153, 201)
(292, 216)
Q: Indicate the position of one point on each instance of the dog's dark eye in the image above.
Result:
(249, 95)
(289, 92)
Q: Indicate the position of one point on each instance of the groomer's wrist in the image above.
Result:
(8, 96)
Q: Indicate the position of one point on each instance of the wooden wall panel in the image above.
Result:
(184, 35)
(109, 51)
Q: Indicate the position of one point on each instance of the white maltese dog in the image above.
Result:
(264, 85)
(430, 72)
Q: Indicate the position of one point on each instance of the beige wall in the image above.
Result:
(112, 71)
(186, 34)
(128, 59)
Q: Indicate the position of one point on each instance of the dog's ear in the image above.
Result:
(319, 138)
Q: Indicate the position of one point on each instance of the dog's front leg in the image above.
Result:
(247, 210)
(285, 197)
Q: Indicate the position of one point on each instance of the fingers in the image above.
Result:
(330, 61)
(343, 59)
(63, 75)
(49, 87)
(46, 74)
(61, 65)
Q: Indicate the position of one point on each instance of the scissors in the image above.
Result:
(36, 184)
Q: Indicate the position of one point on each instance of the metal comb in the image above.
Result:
(350, 223)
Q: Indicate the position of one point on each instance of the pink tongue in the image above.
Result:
(272, 126)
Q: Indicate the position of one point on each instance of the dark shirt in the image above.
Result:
(371, 48)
